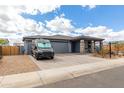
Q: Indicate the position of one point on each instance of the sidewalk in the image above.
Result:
(44, 77)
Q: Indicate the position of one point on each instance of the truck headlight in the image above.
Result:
(39, 51)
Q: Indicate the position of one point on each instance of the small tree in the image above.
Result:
(4, 42)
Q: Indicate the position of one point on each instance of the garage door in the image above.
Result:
(60, 46)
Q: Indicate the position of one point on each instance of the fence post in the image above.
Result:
(110, 49)
(10, 51)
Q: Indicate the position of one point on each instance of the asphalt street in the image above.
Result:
(112, 78)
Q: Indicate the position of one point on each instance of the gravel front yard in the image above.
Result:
(17, 64)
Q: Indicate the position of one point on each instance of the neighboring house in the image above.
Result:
(66, 44)
(18, 44)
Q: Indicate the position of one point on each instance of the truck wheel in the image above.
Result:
(32, 54)
(36, 56)
(52, 57)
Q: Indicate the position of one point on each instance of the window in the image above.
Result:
(44, 45)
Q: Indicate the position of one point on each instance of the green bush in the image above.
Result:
(3, 42)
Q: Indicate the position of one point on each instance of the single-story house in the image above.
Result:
(66, 44)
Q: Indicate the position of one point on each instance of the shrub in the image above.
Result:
(3, 42)
(103, 52)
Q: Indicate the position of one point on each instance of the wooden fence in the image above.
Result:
(0, 52)
(10, 50)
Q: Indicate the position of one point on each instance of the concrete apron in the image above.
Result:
(44, 77)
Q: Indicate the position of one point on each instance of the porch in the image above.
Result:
(90, 46)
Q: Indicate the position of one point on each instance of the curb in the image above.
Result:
(39, 78)
(21, 80)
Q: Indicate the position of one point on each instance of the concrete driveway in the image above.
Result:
(64, 60)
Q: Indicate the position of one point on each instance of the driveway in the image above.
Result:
(64, 60)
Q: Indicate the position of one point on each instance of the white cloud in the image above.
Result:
(102, 32)
(13, 26)
(60, 25)
(116, 36)
(35, 9)
(89, 6)
(92, 6)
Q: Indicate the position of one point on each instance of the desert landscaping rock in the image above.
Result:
(17, 64)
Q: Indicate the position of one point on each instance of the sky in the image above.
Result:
(104, 21)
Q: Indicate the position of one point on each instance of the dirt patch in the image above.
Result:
(17, 64)
(107, 56)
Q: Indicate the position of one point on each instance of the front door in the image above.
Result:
(88, 46)
(75, 46)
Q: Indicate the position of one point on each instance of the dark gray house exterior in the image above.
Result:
(66, 44)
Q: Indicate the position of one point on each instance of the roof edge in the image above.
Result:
(62, 37)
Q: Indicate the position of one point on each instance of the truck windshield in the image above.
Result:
(44, 45)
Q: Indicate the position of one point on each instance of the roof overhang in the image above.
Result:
(62, 37)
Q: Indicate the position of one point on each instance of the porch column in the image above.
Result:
(101, 45)
(93, 46)
(82, 47)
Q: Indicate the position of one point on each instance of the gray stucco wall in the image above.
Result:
(76, 47)
(22, 49)
(58, 46)
(27, 47)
